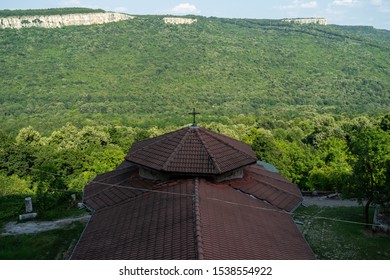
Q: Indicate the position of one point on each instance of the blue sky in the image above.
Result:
(344, 12)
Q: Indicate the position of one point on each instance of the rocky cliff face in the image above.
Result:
(321, 21)
(61, 20)
(175, 20)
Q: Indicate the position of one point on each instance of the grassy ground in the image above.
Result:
(53, 244)
(336, 240)
(49, 245)
(11, 206)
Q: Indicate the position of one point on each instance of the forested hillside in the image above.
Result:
(48, 12)
(145, 73)
(312, 100)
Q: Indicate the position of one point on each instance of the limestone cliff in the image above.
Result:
(55, 21)
(321, 21)
(176, 20)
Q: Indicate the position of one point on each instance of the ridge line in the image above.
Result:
(177, 148)
(198, 228)
(214, 160)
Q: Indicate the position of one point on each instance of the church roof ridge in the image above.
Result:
(198, 221)
(215, 162)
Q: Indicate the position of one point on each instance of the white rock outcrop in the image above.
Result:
(56, 21)
(321, 21)
(175, 20)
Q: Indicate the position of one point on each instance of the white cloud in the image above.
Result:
(339, 7)
(376, 2)
(350, 3)
(71, 2)
(185, 8)
(298, 4)
(385, 9)
(383, 6)
(309, 5)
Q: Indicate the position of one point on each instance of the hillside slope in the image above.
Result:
(146, 72)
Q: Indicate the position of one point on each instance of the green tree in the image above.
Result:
(65, 138)
(28, 136)
(17, 159)
(14, 185)
(295, 160)
(263, 144)
(91, 137)
(142, 134)
(331, 168)
(104, 161)
(324, 126)
(385, 123)
(370, 149)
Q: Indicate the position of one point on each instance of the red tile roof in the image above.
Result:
(270, 187)
(154, 225)
(192, 150)
(236, 226)
(135, 218)
(191, 218)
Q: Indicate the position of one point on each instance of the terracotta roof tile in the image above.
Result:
(154, 225)
(192, 150)
(235, 226)
(116, 186)
(183, 219)
(270, 187)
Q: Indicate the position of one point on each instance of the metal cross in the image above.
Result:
(193, 113)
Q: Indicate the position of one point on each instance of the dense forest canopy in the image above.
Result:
(48, 12)
(143, 72)
(312, 100)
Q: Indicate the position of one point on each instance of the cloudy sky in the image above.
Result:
(344, 12)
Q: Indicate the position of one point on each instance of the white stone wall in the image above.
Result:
(61, 20)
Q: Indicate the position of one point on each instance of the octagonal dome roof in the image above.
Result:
(192, 150)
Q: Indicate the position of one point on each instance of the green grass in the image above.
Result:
(11, 206)
(53, 244)
(336, 240)
(49, 245)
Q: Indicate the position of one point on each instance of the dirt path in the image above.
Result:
(14, 228)
(324, 201)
